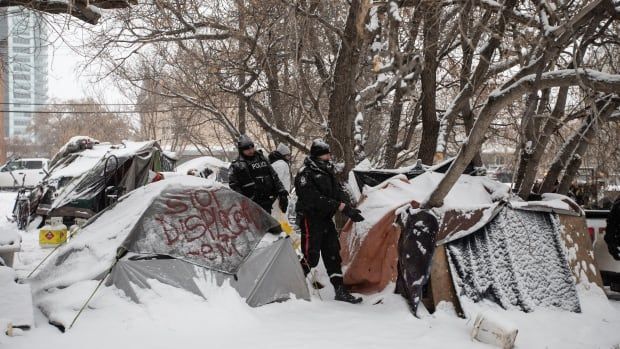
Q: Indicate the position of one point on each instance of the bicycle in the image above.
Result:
(21, 210)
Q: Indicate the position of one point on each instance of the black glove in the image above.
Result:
(283, 201)
(353, 213)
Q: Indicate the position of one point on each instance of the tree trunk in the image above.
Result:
(430, 124)
(342, 98)
(527, 136)
(391, 149)
(570, 147)
(592, 123)
(531, 168)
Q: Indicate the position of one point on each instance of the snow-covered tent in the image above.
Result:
(217, 168)
(179, 232)
(83, 169)
(396, 243)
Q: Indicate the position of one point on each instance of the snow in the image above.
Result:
(551, 201)
(88, 158)
(373, 23)
(470, 192)
(201, 163)
(8, 233)
(15, 301)
(394, 11)
(168, 317)
(518, 261)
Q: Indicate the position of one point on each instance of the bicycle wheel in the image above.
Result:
(22, 215)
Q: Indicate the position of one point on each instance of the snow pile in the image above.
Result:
(9, 236)
(217, 167)
(15, 301)
(201, 164)
(10, 239)
(550, 202)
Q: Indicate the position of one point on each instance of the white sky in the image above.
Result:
(68, 80)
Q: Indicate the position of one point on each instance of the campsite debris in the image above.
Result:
(491, 328)
(416, 247)
(53, 234)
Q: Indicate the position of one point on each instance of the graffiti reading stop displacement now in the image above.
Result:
(208, 224)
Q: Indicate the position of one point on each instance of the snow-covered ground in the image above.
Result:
(172, 318)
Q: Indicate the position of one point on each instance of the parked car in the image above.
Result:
(29, 171)
(609, 267)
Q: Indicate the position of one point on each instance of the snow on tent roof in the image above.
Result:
(201, 163)
(187, 218)
(86, 159)
(469, 193)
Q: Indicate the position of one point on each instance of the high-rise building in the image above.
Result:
(23, 47)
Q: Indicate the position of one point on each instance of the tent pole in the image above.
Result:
(92, 294)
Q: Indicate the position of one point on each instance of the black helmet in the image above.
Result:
(318, 148)
(244, 142)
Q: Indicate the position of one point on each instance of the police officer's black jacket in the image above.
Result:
(318, 192)
(255, 178)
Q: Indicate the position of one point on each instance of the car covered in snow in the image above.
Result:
(27, 172)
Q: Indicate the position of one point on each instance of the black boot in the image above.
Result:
(343, 295)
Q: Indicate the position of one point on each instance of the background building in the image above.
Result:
(24, 51)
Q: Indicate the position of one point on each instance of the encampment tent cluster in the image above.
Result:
(481, 244)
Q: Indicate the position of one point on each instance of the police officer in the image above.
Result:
(252, 175)
(320, 196)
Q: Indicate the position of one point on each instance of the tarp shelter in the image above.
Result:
(471, 214)
(82, 171)
(178, 231)
(371, 177)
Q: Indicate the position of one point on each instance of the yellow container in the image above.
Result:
(52, 235)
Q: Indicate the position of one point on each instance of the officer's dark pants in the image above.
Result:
(320, 237)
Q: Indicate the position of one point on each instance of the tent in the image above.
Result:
(437, 256)
(85, 173)
(363, 176)
(177, 231)
(216, 168)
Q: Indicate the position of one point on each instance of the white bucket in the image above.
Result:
(491, 328)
